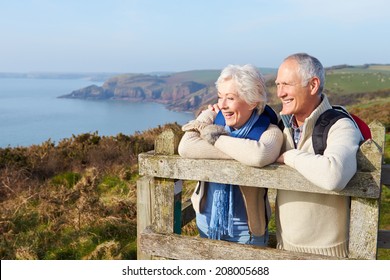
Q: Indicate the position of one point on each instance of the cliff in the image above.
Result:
(185, 91)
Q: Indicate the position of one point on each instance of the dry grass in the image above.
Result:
(74, 200)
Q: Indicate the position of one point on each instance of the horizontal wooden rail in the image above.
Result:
(282, 177)
(174, 246)
(188, 214)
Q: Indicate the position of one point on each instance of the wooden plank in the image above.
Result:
(163, 207)
(188, 214)
(364, 220)
(167, 142)
(363, 231)
(378, 131)
(144, 210)
(173, 246)
(278, 176)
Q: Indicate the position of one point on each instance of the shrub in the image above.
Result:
(67, 179)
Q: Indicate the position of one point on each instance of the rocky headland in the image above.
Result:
(180, 92)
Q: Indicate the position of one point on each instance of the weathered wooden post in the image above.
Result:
(364, 220)
(144, 210)
(159, 199)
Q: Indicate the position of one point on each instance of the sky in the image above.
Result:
(141, 36)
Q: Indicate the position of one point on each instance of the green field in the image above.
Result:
(207, 77)
(358, 80)
(379, 68)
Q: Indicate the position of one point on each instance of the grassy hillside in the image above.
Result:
(207, 77)
(347, 82)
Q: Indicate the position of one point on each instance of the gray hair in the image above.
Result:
(309, 67)
(250, 84)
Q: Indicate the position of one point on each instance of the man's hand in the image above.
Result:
(280, 159)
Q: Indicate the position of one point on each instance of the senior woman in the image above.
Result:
(242, 127)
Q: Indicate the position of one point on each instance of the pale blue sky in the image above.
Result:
(179, 35)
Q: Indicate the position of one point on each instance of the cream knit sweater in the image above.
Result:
(249, 152)
(318, 223)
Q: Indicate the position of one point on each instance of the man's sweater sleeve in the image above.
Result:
(333, 170)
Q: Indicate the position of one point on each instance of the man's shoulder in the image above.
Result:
(332, 120)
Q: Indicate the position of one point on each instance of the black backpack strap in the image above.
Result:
(271, 114)
(281, 125)
(322, 127)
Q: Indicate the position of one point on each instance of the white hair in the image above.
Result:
(250, 84)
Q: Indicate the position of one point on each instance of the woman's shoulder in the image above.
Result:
(274, 129)
(273, 134)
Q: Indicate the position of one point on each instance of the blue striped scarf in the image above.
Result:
(221, 221)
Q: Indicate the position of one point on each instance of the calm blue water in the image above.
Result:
(31, 113)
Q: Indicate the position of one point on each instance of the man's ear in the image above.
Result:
(314, 85)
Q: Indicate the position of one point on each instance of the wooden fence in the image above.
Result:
(161, 214)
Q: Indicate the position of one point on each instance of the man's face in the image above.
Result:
(296, 99)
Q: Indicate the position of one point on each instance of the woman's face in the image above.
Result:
(235, 110)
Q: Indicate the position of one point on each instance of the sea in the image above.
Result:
(31, 113)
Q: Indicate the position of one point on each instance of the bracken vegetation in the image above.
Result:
(72, 200)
